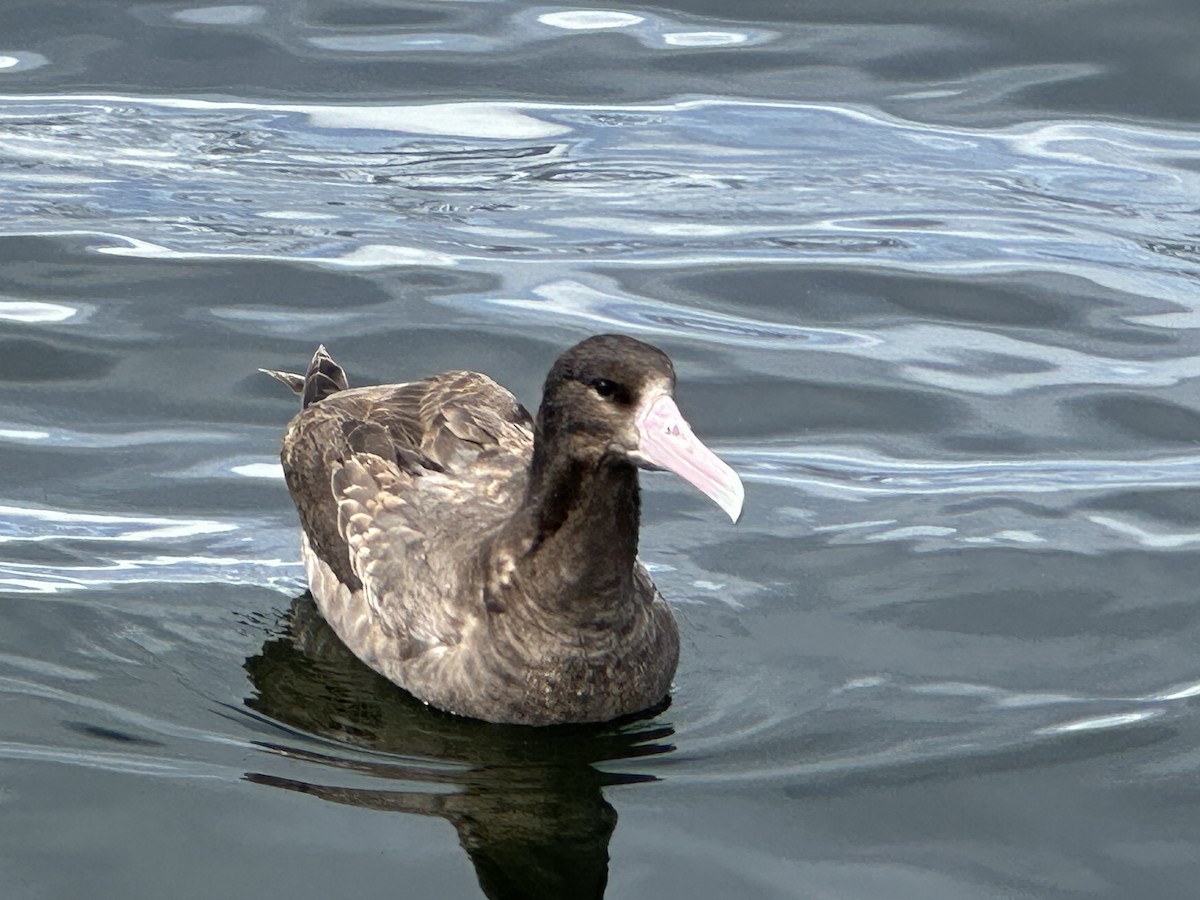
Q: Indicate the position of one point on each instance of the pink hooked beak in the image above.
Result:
(665, 440)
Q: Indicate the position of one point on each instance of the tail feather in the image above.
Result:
(324, 377)
(291, 379)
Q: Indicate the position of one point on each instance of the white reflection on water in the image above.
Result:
(20, 61)
(32, 525)
(371, 256)
(281, 574)
(490, 121)
(1037, 504)
(583, 19)
(567, 300)
(856, 472)
(772, 182)
(232, 14)
(31, 312)
(141, 549)
(1152, 539)
(705, 38)
(1096, 723)
(66, 437)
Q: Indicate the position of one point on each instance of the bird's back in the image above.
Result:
(396, 485)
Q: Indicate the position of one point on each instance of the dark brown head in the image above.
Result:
(610, 398)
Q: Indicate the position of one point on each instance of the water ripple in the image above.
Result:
(128, 763)
(141, 549)
(992, 723)
(860, 473)
(969, 360)
(34, 525)
(207, 179)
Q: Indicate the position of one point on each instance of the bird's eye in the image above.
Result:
(604, 387)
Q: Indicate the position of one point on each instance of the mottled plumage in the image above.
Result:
(491, 574)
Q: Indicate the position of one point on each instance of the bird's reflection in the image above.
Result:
(527, 803)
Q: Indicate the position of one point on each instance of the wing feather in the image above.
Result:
(395, 486)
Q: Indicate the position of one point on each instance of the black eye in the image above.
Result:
(603, 387)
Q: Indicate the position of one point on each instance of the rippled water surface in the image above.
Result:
(930, 279)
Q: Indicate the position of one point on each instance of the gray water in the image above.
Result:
(929, 276)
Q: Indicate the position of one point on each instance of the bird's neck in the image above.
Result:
(579, 529)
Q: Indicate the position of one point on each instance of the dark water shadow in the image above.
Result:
(527, 803)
